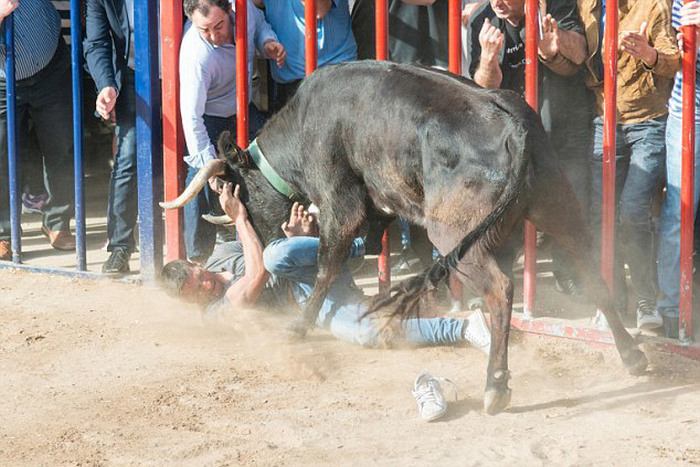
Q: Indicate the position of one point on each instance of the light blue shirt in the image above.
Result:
(675, 103)
(208, 82)
(37, 27)
(335, 40)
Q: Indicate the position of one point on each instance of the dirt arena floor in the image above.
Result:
(101, 373)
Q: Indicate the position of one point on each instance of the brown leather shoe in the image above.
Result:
(61, 240)
(5, 251)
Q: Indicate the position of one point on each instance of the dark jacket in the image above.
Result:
(107, 42)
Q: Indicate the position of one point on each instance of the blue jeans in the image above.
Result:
(122, 204)
(295, 259)
(46, 96)
(670, 221)
(200, 235)
(640, 157)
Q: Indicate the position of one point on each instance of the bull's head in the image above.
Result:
(267, 208)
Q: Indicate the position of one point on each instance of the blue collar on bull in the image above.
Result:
(268, 172)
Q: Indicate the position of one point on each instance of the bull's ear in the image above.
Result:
(230, 152)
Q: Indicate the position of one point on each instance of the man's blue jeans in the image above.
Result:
(670, 221)
(122, 207)
(640, 157)
(200, 235)
(46, 96)
(295, 259)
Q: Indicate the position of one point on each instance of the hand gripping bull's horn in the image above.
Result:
(217, 220)
(212, 168)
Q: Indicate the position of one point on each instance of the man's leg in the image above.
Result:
(670, 221)
(295, 259)
(636, 230)
(200, 235)
(50, 108)
(122, 207)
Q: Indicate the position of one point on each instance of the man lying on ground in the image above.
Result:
(244, 274)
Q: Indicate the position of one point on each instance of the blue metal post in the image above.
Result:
(12, 162)
(79, 171)
(148, 138)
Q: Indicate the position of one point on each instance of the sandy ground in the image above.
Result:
(100, 373)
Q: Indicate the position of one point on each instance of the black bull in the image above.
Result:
(372, 140)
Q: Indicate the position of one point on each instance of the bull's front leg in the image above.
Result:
(336, 237)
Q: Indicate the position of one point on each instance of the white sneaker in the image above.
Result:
(648, 316)
(477, 332)
(428, 393)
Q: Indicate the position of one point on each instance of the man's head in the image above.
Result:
(212, 18)
(191, 282)
(512, 11)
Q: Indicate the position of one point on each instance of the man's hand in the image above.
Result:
(637, 45)
(690, 14)
(232, 205)
(7, 7)
(300, 223)
(106, 100)
(549, 43)
(491, 40)
(275, 51)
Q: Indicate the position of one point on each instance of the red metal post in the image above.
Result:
(311, 40)
(455, 36)
(687, 183)
(607, 257)
(532, 29)
(242, 91)
(173, 137)
(381, 21)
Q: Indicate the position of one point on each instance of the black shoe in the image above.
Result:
(118, 262)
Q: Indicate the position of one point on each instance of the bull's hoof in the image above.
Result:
(497, 395)
(296, 330)
(635, 362)
(496, 400)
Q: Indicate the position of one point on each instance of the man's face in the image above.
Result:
(215, 28)
(201, 286)
(512, 11)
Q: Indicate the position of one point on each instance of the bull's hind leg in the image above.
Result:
(337, 228)
(479, 270)
(555, 210)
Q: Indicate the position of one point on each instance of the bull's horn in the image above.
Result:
(217, 220)
(213, 167)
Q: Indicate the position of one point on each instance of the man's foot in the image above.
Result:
(477, 332)
(5, 251)
(648, 316)
(300, 223)
(407, 263)
(33, 203)
(61, 240)
(118, 262)
(428, 393)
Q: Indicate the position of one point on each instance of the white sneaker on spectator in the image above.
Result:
(477, 332)
(428, 393)
(648, 316)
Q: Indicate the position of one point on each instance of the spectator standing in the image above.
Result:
(335, 40)
(208, 98)
(109, 51)
(646, 64)
(495, 57)
(670, 221)
(43, 90)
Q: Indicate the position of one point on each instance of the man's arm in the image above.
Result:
(489, 74)
(246, 290)
(7, 7)
(560, 50)
(194, 83)
(98, 45)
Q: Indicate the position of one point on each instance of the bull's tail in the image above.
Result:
(410, 292)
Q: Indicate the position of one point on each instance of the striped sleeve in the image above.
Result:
(675, 102)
